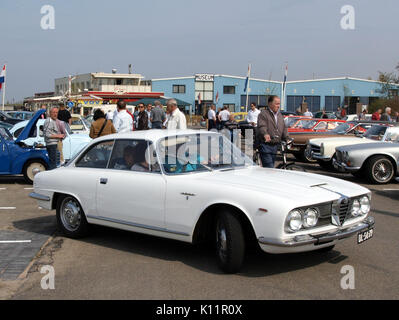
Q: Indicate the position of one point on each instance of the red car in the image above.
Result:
(291, 121)
(315, 125)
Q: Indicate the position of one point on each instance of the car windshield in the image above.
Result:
(5, 134)
(306, 124)
(375, 131)
(342, 128)
(289, 121)
(199, 152)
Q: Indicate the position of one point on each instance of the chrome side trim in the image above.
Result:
(319, 239)
(38, 196)
(131, 224)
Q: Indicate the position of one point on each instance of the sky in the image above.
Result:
(173, 38)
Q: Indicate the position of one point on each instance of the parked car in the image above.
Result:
(6, 118)
(375, 161)
(323, 150)
(299, 145)
(330, 114)
(79, 124)
(292, 120)
(319, 125)
(20, 115)
(72, 143)
(195, 186)
(18, 158)
(354, 117)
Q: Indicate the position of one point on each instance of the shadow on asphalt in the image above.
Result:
(201, 257)
(13, 180)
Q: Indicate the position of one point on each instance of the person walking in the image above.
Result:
(123, 122)
(52, 135)
(177, 119)
(271, 131)
(157, 116)
(142, 121)
(212, 117)
(101, 126)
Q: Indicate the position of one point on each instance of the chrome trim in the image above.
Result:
(320, 157)
(187, 194)
(38, 196)
(343, 167)
(131, 224)
(319, 239)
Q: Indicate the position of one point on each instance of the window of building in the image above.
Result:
(230, 106)
(294, 102)
(392, 93)
(332, 103)
(205, 88)
(118, 82)
(179, 88)
(229, 89)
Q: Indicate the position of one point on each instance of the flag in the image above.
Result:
(199, 98)
(285, 75)
(247, 79)
(2, 76)
(217, 97)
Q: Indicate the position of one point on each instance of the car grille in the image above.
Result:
(338, 156)
(343, 211)
(315, 149)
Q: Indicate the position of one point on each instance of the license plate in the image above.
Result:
(365, 235)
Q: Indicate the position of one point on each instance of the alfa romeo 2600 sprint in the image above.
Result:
(196, 186)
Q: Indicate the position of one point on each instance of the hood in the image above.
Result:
(339, 141)
(286, 184)
(30, 126)
(371, 145)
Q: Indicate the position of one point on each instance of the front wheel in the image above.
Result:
(379, 169)
(31, 168)
(230, 242)
(71, 219)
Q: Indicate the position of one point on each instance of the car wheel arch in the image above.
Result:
(388, 156)
(202, 231)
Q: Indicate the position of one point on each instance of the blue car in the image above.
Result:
(18, 158)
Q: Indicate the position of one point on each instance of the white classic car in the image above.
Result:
(71, 145)
(323, 149)
(196, 186)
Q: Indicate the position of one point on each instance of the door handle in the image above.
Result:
(103, 180)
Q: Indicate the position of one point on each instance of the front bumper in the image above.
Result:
(341, 166)
(38, 196)
(318, 156)
(305, 240)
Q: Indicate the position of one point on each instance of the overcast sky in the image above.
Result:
(168, 38)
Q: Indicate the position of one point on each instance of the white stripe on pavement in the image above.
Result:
(7, 208)
(15, 241)
(3, 188)
(28, 188)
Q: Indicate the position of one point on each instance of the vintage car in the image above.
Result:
(79, 124)
(323, 150)
(18, 158)
(291, 121)
(20, 115)
(330, 114)
(6, 125)
(6, 118)
(315, 125)
(301, 139)
(196, 186)
(375, 161)
(71, 145)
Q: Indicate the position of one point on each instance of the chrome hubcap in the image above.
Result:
(70, 214)
(382, 170)
(33, 169)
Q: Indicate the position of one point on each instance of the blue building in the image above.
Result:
(201, 90)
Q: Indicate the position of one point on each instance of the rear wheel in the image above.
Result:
(379, 170)
(71, 219)
(31, 168)
(230, 242)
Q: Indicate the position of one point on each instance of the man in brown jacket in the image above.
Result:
(271, 131)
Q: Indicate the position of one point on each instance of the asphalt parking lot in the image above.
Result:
(114, 264)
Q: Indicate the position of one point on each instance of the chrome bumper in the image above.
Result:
(320, 239)
(38, 196)
(340, 166)
(318, 156)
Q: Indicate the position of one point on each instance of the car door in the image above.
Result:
(127, 196)
(4, 155)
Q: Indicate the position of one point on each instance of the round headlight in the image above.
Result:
(310, 218)
(355, 208)
(364, 205)
(295, 220)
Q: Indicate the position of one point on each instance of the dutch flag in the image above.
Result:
(2, 76)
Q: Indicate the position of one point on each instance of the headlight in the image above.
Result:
(310, 218)
(322, 148)
(355, 208)
(345, 156)
(294, 220)
(365, 205)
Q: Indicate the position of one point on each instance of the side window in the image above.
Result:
(134, 155)
(321, 126)
(97, 156)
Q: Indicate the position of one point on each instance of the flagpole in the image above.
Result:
(4, 89)
(249, 76)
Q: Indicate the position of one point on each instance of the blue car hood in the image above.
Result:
(31, 124)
